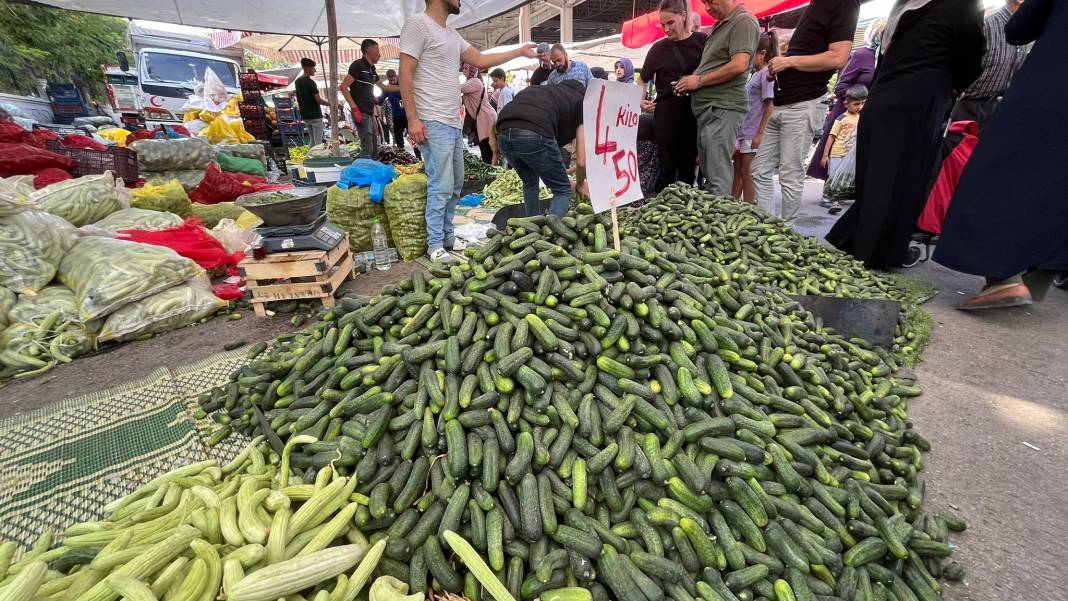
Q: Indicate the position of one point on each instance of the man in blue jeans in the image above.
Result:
(431, 54)
(531, 129)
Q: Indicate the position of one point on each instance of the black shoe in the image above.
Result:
(913, 257)
(835, 208)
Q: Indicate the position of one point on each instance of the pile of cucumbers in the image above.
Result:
(644, 424)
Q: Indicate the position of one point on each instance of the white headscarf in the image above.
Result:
(900, 8)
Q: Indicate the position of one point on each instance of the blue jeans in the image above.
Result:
(443, 157)
(536, 157)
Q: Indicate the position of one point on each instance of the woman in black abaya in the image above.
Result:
(931, 50)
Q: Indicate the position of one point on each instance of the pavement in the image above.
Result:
(995, 409)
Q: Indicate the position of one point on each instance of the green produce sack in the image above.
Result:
(176, 307)
(138, 219)
(32, 243)
(163, 195)
(80, 201)
(245, 151)
(39, 321)
(7, 300)
(107, 273)
(171, 155)
(211, 215)
(353, 211)
(405, 202)
(188, 178)
(15, 194)
(234, 164)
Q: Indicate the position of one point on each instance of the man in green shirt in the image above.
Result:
(308, 100)
(717, 89)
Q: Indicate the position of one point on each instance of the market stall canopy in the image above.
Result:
(292, 48)
(355, 18)
(602, 52)
(645, 29)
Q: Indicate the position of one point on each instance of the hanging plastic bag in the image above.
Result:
(80, 201)
(172, 155)
(138, 219)
(15, 194)
(106, 273)
(405, 203)
(32, 244)
(176, 307)
(44, 328)
(365, 172)
(168, 196)
(841, 183)
(189, 240)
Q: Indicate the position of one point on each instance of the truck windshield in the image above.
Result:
(176, 68)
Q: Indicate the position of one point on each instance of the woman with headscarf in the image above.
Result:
(477, 106)
(624, 71)
(859, 71)
(931, 49)
(1008, 220)
(668, 60)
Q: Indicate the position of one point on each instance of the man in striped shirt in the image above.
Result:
(1000, 63)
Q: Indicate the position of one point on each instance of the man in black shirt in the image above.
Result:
(358, 87)
(308, 101)
(531, 129)
(819, 46)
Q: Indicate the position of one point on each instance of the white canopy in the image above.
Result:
(355, 18)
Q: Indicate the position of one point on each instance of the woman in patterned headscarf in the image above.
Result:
(860, 70)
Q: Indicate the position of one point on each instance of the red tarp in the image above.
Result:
(645, 29)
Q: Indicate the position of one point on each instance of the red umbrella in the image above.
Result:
(645, 29)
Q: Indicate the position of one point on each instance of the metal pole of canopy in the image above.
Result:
(331, 28)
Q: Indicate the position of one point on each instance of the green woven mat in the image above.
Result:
(61, 464)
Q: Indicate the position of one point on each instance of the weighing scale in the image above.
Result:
(317, 235)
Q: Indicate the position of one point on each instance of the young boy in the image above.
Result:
(843, 135)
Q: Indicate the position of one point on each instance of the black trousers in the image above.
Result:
(974, 109)
(400, 131)
(486, 151)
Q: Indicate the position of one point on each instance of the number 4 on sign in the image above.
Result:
(602, 148)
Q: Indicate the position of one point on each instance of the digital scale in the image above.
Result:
(317, 235)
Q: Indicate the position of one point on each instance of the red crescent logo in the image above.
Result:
(154, 99)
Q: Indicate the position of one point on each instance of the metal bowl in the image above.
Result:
(304, 207)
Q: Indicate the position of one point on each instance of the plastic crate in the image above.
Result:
(288, 115)
(283, 102)
(122, 162)
(292, 128)
(250, 110)
(248, 81)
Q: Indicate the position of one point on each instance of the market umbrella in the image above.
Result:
(645, 29)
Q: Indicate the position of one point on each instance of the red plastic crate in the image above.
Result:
(122, 162)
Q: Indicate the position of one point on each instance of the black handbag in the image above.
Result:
(471, 123)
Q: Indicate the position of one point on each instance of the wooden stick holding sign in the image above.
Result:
(610, 114)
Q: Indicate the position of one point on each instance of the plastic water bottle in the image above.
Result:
(378, 242)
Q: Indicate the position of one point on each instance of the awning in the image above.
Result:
(273, 80)
(355, 18)
(645, 29)
(291, 48)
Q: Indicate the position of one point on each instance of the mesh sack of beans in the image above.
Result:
(44, 328)
(106, 273)
(15, 194)
(211, 215)
(80, 201)
(188, 178)
(173, 155)
(32, 244)
(405, 203)
(353, 211)
(138, 219)
(7, 300)
(175, 307)
(245, 151)
(165, 195)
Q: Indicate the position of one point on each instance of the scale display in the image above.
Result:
(318, 235)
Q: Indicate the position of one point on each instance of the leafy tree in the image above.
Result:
(261, 63)
(57, 45)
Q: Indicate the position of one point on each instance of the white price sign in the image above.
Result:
(610, 114)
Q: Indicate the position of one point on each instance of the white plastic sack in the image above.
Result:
(15, 192)
(82, 200)
(233, 237)
(175, 307)
(107, 273)
(841, 183)
(32, 244)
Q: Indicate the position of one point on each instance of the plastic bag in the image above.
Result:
(180, 306)
(235, 164)
(841, 183)
(106, 273)
(15, 194)
(44, 327)
(42, 178)
(934, 212)
(80, 201)
(32, 244)
(115, 135)
(365, 172)
(138, 219)
(245, 151)
(211, 215)
(172, 155)
(189, 179)
(218, 186)
(353, 211)
(222, 131)
(23, 159)
(405, 203)
(233, 236)
(7, 300)
(168, 196)
(190, 240)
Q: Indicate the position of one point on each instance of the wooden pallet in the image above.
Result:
(297, 275)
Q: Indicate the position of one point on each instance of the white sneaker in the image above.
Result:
(440, 255)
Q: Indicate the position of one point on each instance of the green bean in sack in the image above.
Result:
(81, 201)
(175, 307)
(45, 328)
(405, 203)
(7, 300)
(32, 243)
(138, 219)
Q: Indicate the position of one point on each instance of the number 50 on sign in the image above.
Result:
(610, 114)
